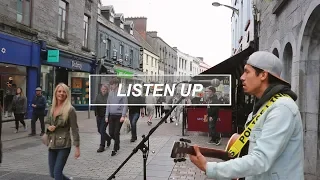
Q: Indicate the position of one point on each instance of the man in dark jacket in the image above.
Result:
(134, 113)
(213, 115)
(39, 106)
(100, 113)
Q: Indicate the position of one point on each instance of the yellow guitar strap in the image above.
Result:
(236, 148)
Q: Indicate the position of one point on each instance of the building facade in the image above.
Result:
(67, 33)
(117, 45)
(290, 30)
(183, 73)
(149, 62)
(19, 55)
(203, 66)
(242, 25)
(65, 30)
(168, 56)
(195, 66)
(167, 65)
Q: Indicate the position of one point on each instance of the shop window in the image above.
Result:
(11, 77)
(47, 82)
(79, 88)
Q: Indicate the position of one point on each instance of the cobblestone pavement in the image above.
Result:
(26, 158)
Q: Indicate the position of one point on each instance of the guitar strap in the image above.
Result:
(236, 148)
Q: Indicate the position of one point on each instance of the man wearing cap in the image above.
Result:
(276, 139)
(39, 106)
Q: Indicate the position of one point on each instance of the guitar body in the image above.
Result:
(231, 141)
(180, 149)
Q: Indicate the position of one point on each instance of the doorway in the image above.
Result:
(61, 76)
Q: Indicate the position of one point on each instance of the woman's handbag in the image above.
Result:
(44, 139)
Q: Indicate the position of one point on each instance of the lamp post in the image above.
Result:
(216, 4)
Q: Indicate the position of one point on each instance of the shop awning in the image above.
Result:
(233, 65)
(107, 68)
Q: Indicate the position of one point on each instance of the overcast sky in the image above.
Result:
(194, 26)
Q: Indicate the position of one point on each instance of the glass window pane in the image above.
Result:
(64, 15)
(60, 11)
(19, 6)
(19, 18)
(62, 34)
(63, 25)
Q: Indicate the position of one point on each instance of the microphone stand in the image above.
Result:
(143, 147)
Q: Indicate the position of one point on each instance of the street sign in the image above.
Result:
(53, 56)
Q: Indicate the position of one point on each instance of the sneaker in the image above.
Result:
(26, 128)
(41, 134)
(101, 149)
(16, 131)
(211, 142)
(113, 153)
(217, 142)
(32, 134)
(133, 139)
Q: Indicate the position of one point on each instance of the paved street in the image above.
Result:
(26, 158)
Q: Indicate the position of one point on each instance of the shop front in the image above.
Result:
(73, 70)
(128, 76)
(19, 63)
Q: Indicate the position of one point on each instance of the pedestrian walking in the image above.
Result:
(39, 106)
(61, 118)
(150, 102)
(134, 113)
(116, 113)
(19, 108)
(100, 113)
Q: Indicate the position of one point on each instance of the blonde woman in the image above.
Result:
(61, 118)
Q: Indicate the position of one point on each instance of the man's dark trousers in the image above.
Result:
(102, 127)
(35, 117)
(114, 130)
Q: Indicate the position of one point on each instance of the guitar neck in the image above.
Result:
(212, 153)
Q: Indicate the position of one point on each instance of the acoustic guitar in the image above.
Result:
(182, 148)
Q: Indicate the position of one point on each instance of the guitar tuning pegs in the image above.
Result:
(185, 140)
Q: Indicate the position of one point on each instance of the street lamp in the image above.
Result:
(216, 4)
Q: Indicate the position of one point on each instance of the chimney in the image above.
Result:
(175, 48)
(140, 24)
(153, 33)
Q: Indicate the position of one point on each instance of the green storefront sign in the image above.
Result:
(53, 56)
(124, 74)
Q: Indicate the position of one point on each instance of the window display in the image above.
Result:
(46, 82)
(79, 90)
(79, 83)
(11, 77)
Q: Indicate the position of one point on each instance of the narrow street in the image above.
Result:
(25, 158)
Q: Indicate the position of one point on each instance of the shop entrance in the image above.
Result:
(61, 76)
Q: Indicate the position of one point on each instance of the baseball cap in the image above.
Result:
(38, 89)
(268, 62)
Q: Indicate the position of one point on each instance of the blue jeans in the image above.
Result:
(57, 160)
(102, 127)
(133, 121)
